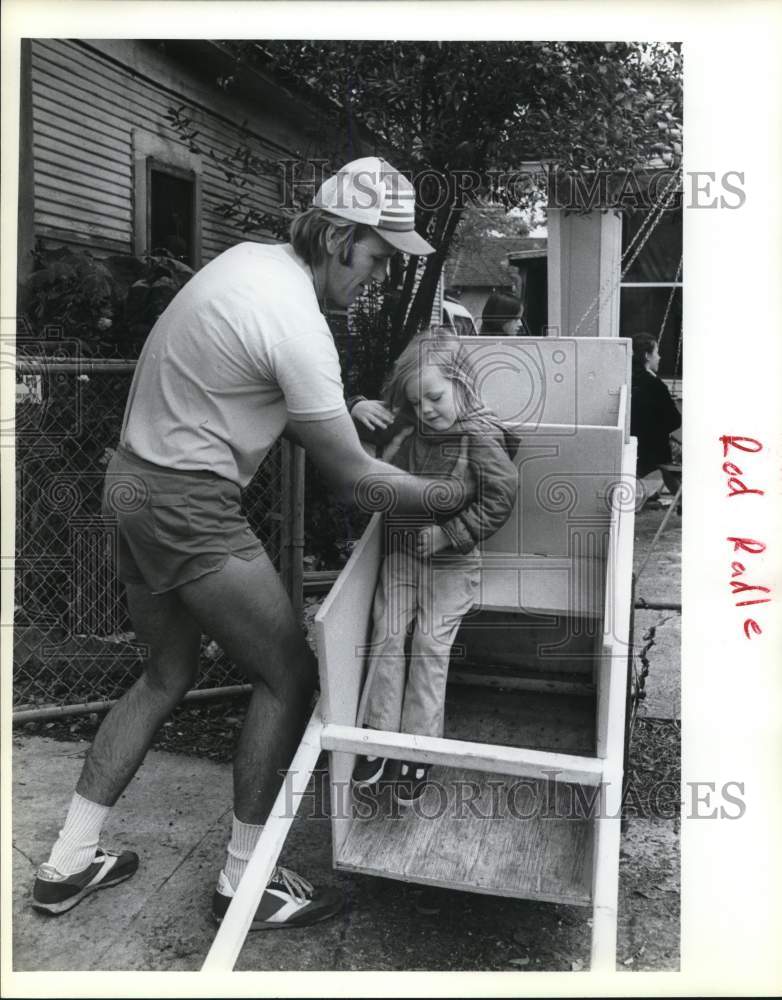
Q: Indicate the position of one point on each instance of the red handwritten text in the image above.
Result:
(740, 587)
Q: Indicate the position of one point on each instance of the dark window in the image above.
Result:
(651, 290)
(643, 310)
(171, 214)
(662, 251)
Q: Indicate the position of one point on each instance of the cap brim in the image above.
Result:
(408, 242)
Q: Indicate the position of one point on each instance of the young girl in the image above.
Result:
(430, 574)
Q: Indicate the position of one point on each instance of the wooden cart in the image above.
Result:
(526, 791)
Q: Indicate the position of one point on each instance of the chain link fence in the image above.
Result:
(73, 640)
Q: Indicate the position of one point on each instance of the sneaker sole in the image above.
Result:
(287, 925)
(407, 802)
(373, 779)
(367, 782)
(404, 800)
(56, 909)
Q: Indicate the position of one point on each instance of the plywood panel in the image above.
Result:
(343, 625)
(565, 484)
(480, 833)
(552, 380)
(536, 584)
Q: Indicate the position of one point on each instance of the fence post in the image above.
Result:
(297, 529)
(292, 526)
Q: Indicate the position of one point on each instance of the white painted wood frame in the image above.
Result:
(236, 923)
(517, 761)
(612, 690)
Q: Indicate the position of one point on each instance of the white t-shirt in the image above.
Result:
(242, 347)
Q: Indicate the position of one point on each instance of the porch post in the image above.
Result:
(584, 259)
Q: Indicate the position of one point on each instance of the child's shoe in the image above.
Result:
(368, 770)
(411, 782)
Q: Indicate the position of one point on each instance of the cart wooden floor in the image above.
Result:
(485, 832)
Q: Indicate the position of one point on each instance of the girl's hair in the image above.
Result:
(643, 344)
(437, 350)
(309, 230)
(499, 308)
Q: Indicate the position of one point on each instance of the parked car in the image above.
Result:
(458, 319)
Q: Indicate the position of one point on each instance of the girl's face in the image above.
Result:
(512, 327)
(653, 360)
(432, 398)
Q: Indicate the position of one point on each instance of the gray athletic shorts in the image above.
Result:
(174, 526)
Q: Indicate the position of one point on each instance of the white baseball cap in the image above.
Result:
(372, 192)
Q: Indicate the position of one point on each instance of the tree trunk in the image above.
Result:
(408, 287)
(421, 308)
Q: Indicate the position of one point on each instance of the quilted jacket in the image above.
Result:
(490, 478)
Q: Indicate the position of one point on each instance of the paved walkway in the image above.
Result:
(176, 814)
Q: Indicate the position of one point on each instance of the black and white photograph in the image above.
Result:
(353, 396)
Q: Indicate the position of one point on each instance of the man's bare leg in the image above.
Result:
(76, 866)
(245, 609)
(173, 638)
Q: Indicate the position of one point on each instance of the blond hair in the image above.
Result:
(311, 228)
(437, 349)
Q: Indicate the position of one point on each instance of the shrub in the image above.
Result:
(109, 305)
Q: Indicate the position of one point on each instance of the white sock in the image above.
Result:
(78, 840)
(244, 837)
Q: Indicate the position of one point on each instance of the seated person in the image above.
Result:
(653, 413)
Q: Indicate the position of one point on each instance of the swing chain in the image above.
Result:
(661, 334)
(645, 231)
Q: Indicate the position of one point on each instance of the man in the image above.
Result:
(241, 355)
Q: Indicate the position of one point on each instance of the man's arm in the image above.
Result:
(366, 482)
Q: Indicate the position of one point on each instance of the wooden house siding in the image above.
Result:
(89, 100)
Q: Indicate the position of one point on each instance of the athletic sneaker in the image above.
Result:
(289, 901)
(411, 782)
(368, 770)
(56, 893)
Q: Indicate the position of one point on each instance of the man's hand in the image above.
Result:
(372, 414)
(431, 540)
